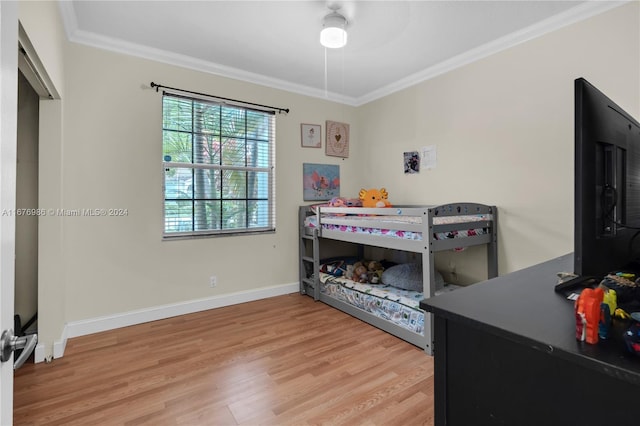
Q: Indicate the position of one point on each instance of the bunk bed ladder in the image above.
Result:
(309, 256)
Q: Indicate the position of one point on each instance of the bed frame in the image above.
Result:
(312, 239)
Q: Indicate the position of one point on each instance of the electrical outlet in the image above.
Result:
(213, 281)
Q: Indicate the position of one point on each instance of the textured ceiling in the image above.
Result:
(391, 45)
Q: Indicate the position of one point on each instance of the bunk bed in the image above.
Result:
(424, 230)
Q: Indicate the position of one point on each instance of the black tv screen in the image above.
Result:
(607, 184)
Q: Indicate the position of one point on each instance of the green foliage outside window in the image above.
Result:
(218, 167)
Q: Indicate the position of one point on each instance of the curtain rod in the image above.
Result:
(279, 110)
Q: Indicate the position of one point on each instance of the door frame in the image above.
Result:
(8, 149)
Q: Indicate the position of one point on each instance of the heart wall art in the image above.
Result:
(337, 143)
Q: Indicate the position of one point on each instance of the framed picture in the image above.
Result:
(310, 135)
(337, 144)
(320, 181)
(411, 162)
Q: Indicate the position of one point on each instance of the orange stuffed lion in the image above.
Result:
(374, 198)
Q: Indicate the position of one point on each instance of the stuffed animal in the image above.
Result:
(374, 271)
(374, 265)
(349, 272)
(360, 273)
(366, 272)
(337, 202)
(374, 198)
(345, 202)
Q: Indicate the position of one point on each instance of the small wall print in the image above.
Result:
(310, 135)
(411, 162)
(429, 158)
(337, 144)
(320, 181)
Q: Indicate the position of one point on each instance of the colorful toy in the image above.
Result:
(337, 202)
(621, 314)
(333, 268)
(374, 198)
(607, 311)
(345, 202)
(587, 312)
(632, 338)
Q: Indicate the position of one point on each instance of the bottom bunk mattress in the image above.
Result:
(398, 306)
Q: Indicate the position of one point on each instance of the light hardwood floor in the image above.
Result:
(286, 360)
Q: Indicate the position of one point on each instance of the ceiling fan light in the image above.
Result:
(334, 34)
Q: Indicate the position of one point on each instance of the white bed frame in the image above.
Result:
(311, 239)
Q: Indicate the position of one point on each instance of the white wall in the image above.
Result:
(112, 157)
(503, 128)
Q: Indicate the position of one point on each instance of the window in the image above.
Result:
(218, 162)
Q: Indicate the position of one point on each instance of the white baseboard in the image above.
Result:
(59, 346)
(39, 353)
(111, 322)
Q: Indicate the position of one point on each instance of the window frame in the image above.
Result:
(269, 169)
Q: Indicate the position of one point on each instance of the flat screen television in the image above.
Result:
(607, 184)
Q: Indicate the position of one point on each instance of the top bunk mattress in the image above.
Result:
(399, 226)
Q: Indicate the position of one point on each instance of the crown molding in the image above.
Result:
(571, 16)
(75, 35)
